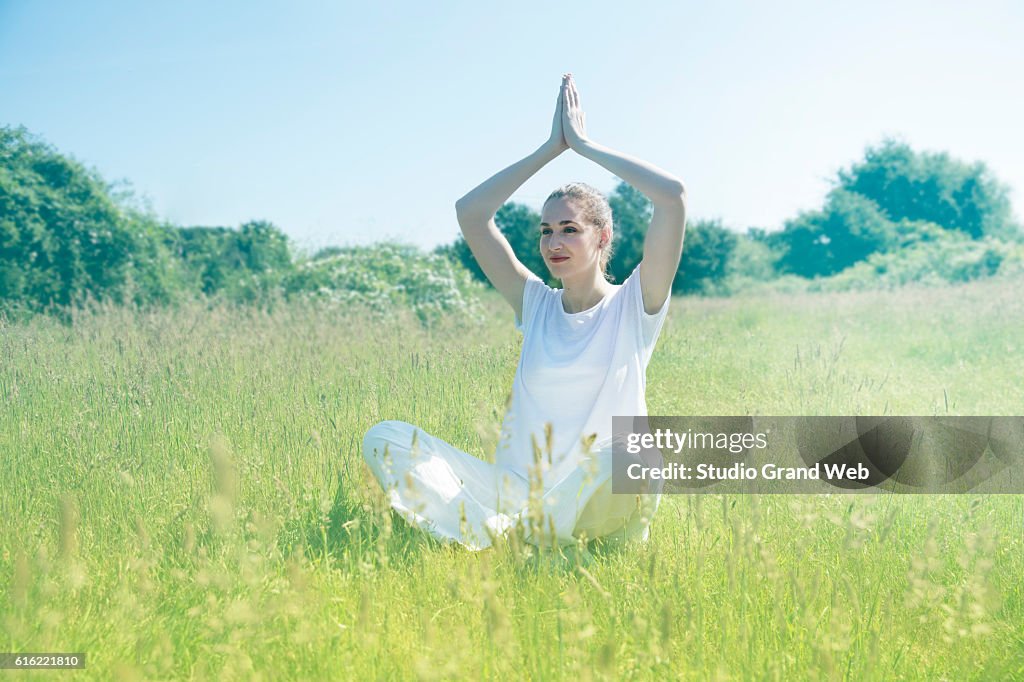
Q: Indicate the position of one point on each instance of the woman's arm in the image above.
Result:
(663, 245)
(476, 215)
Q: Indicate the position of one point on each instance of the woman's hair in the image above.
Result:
(595, 210)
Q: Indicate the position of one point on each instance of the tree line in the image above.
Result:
(894, 204)
(67, 236)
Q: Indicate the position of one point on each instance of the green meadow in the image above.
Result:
(184, 497)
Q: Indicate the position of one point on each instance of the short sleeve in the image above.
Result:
(533, 290)
(650, 325)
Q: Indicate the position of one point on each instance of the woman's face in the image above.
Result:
(568, 245)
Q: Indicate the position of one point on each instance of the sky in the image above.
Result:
(350, 123)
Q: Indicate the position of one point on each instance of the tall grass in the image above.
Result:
(183, 496)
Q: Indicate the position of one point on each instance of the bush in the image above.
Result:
(950, 260)
(383, 276)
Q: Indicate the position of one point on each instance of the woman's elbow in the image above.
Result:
(674, 195)
(678, 190)
(470, 214)
(464, 209)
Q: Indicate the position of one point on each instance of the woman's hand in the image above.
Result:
(556, 142)
(574, 121)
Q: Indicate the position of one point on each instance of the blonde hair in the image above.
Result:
(595, 210)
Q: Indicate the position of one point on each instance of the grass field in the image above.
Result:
(183, 496)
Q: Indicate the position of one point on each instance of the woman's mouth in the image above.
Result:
(558, 259)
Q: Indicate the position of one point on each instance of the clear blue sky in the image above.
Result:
(347, 123)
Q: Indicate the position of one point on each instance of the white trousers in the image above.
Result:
(457, 497)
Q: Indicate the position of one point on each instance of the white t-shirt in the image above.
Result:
(576, 371)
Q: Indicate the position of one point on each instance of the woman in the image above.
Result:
(584, 357)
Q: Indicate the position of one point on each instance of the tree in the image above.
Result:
(894, 197)
(753, 259)
(707, 246)
(521, 227)
(848, 229)
(262, 247)
(930, 187)
(707, 249)
(631, 215)
(62, 235)
(218, 258)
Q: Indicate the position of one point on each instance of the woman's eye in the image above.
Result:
(546, 230)
(570, 229)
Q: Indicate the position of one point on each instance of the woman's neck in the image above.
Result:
(583, 293)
